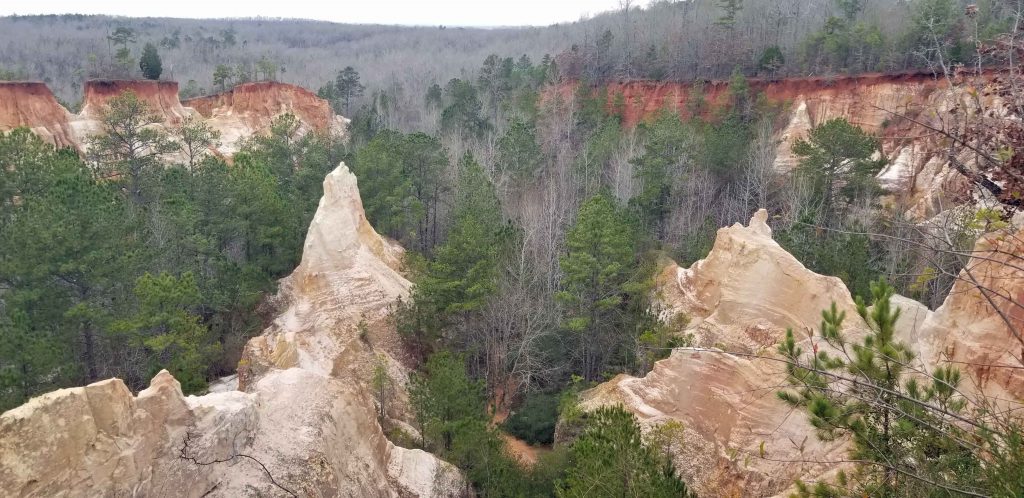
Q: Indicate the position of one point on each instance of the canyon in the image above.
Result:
(303, 419)
(918, 173)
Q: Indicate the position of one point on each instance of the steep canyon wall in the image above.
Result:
(887, 105)
(238, 113)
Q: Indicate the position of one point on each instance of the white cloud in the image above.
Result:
(407, 12)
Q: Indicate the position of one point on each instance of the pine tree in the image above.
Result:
(168, 331)
(445, 397)
(519, 154)
(464, 273)
(402, 182)
(771, 60)
(464, 111)
(610, 458)
(837, 154)
(195, 138)
(664, 152)
(349, 87)
(451, 411)
(730, 9)
(127, 143)
(435, 97)
(905, 428)
(222, 75)
(150, 63)
(598, 268)
(68, 249)
(33, 355)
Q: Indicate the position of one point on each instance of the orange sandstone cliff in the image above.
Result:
(254, 103)
(249, 108)
(160, 96)
(918, 172)
(865, 99)
(32, 104)
(237, 114)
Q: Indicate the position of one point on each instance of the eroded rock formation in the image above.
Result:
(918, 172)
(250, 107)
(977, 325)
(99, 440)
(741, 299)
(305, 408)
(31, 104)
(237, 114)
(160, 96)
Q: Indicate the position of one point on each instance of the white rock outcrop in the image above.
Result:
(99, 440)
(304, 410)
(977, 326)
(741, 299)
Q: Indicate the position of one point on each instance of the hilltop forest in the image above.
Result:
(535, 219)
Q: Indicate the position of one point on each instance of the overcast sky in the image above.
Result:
(410, 12)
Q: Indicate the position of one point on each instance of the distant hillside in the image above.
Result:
(667, 40)
(64, 50)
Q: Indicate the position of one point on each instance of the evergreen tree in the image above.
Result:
(168, 331)
(222, 75)
(467, 263)
(123, 36)
(195, 138)
(726, 145)
(907, 433)
(451, 411)
(837, 154)
(268, 67)
(664, 151)
(610, 459)
(435, 96)
(444, 398)
(730, 9)
(464, 273)
(495, 81)
(386, 187)
(772, 59)
(401, 178)
(519, 154)
(150, 63)
(68, 251)
(348, 86)
(740, 96)
(463, 112)
(850, 8)
(127, 143)
(425, 162)
(598, 267)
